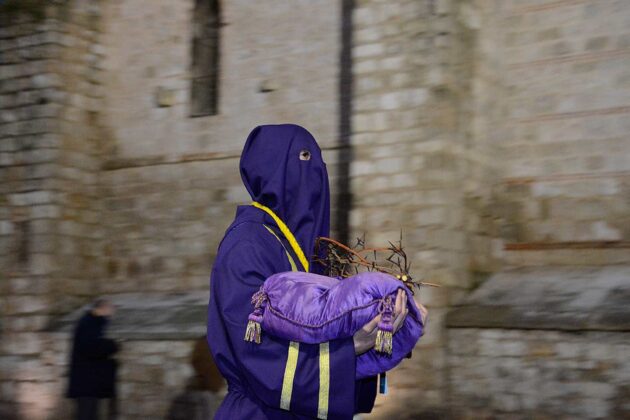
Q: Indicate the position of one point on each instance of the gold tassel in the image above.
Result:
(383, 342)
(252, 333)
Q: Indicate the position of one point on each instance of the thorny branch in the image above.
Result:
(343, 261)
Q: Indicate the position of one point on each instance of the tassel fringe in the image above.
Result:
(384, 336)
(253, 332)
(383, 342)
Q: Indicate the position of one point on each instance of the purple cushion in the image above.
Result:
(310, 308)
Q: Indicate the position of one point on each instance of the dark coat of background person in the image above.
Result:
(92, 370)
(207, 375)
(202, 396)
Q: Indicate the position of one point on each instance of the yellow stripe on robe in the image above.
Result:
(289, 375)
(294, 347)
(324, 380)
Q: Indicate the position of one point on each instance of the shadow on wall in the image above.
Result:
(204, 391)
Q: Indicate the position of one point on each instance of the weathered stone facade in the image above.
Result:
(493, 133)
(538, 374)
(171, 182)
(542, 341)
(420, 166)
(50, 200)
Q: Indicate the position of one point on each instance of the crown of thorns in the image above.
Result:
(343, 261)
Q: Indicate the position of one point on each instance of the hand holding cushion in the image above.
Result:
(365, 338)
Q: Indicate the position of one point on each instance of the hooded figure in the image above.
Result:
(283, 170)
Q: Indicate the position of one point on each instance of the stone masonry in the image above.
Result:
(543, 342)
(420, 166)
(49, 206)
(492, 132)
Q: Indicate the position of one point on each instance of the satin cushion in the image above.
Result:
(311, 308)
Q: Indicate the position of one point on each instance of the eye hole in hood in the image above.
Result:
(282, 168)
(305, 155)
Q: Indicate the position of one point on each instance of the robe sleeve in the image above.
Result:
(267, 369)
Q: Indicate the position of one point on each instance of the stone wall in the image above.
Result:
(542, 374)
(151, 375)
(472, 122)
(422, 164)
(165, 220)
(171, 182)
(278, 64)
(48, 208)
(490, 132)
(108, 192)
(542, 342)
(79, 232)
(560, 71)
(566, 149)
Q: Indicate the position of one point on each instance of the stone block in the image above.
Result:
(23, 343)
(28, 304)
(368, 50)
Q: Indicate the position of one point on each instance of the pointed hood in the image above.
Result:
(282, 168)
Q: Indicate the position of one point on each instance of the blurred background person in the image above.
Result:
(207, 375)
(92, 369)
(205, 389)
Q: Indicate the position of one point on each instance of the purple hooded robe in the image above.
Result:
(272, 380)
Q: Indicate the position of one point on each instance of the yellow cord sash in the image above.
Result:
(286, 232)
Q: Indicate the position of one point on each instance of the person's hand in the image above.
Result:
(400, 310)
(365, 338)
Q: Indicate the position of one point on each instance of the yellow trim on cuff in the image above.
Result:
(286, 232)
(289, 375)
